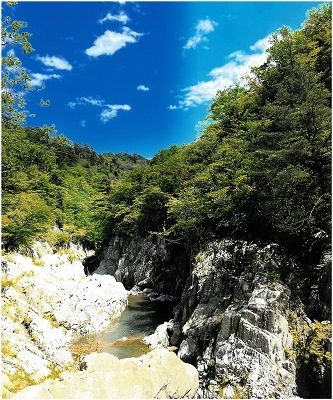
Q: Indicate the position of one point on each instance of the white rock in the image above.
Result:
(159, 338)
(46, 307)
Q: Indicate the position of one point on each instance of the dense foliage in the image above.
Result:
(55, 189)
(261, 169)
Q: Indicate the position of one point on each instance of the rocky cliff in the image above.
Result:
(132, 260)
(245, 331)
(234, 318)
(242, 317)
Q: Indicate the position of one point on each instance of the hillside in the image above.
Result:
(54, 189)
(261, 169)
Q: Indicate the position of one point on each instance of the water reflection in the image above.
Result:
(140, 318)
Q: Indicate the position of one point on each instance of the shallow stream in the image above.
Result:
(123, 338)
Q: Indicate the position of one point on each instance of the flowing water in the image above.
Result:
(140, 318)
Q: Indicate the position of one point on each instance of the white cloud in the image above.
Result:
(85, 100)
(203, 27)
(112, 111)
(55, 62)
(72, 104)
(38, 79)
(224, 76)
(143, 88)
(94, 102)
(83, 123)
(111, 41)
(121, 17)
(109, 110)
(262, 44)
(11, 53)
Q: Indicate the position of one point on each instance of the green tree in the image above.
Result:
(15, 80)
(25, 216)
(294, 146)
(318, 31)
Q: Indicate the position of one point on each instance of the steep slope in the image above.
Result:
(242, 316)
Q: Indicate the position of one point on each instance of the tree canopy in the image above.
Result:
(261, 170)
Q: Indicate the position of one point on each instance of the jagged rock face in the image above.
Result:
(159, 374)
(133, 260)
(46, 303)
(234, 323)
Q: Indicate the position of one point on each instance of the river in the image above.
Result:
(123, 338)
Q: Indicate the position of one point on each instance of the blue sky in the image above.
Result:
(137, 77)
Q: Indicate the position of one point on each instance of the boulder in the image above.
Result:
(160, 338)
(145, 284)
(158, 374)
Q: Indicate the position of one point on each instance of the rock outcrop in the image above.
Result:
(47, 301)
(234, 321)
(234, 318)
(159, 374)
(151, 259)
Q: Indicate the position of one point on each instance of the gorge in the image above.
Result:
(48, 302)
(238, 320)
(232, 232)
(242, 319)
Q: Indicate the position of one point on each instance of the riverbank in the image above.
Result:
(240, 322)
(47, 301)
(124, 338)
(159, 374)
(245, 318)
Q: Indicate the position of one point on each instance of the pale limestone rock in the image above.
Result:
(39, 249)
(34, 392)
(33, 363)
(6, 387)
(46, 306)
(160, 338)
(159, 374)
(235, 325)
(99, 362)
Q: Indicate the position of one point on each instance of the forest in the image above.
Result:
(260, 171)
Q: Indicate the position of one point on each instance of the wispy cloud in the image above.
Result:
(121, 17)
(108, 112)
(112, 41)
(85, 100)
(143, 88)
(39, 79)
(83, 123)
(224, 76)
(55, 62)
(112, 111)
(11, 53)
(203, 27)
